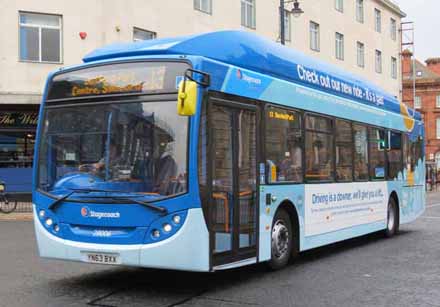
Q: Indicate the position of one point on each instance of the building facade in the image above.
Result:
(360, 36)
(424, 96)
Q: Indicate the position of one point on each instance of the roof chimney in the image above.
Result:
(406, 63)
(433, 64)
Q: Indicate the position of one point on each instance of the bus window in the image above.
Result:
(284, 144)
(319, 149)
(412, 151)
(418, 149)
(129, 147)
(377, 143)
(360, 153)
(406, 152)
(394, 154)
(344, 151)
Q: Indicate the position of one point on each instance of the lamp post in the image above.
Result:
(296, 12)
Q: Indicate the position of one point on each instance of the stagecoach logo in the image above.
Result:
(251, 80)
(239, 75)
(86, 212)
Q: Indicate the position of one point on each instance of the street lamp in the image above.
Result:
(296, 12)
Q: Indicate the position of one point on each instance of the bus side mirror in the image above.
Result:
(187, 98)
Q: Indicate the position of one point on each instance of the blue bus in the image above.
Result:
(215, 151)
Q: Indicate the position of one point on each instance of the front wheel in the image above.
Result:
(392, 219)
(281, 240)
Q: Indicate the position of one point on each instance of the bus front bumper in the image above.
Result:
(187, 250)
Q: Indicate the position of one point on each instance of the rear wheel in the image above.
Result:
(392, 219)
(281, 240)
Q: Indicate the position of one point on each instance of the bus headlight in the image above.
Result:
(156, 233)
(49, 222)
(176, 219)
(42, 214)
(56, 227)
(167, 227)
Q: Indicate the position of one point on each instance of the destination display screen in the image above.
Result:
(134, 77)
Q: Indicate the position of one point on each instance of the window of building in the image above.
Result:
(339, 5)
(142, 35)
(344, 151)
(377, 20)
(287, 23)
(283, 143)
(360, 11)
(377, 143)
(319, 149)
(40, 37)
(203, 5)
(360, 153)
(417, 102)
(393, 68)
(248, 13)
(378, 61)
(437, 101)
(339, 41)
(393, 29)
(314, 36)
(394, 154)
(360, 51)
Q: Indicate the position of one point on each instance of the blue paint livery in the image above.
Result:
(241, 64)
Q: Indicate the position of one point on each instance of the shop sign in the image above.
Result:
(18, 119)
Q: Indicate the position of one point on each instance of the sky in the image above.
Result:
(426, 17)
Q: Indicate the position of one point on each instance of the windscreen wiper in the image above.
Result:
(162, 210)
(57, 201)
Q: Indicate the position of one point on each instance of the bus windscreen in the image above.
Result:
(121, 78)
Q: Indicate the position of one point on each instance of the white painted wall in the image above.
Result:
(100, 18)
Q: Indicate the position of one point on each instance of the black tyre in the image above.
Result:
(281, 240)
(7, 206)
(392, 219)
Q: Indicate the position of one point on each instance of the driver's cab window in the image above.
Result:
(135, 147)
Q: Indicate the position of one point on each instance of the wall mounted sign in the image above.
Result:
(18, 119)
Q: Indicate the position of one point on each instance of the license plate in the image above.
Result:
(101, 258)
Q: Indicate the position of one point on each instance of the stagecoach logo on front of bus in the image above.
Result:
(86, 212)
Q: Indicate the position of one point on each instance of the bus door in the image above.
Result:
(233, 206)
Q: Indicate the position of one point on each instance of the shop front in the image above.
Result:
(18, 125)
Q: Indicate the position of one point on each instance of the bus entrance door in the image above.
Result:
(233, 205)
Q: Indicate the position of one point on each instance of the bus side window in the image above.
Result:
(360, 153)
(377, 144)
(319, 149)
(283, 145)
(406, 152)
(344, 151)
(394, 154)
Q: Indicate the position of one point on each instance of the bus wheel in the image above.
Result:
(281, 240)
(392, 219)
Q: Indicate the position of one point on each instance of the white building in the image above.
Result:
(360, 36)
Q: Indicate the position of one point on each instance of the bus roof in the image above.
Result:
(253, 52)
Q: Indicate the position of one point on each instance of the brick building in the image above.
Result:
(425, 99)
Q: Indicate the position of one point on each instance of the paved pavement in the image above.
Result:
(368, 271)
